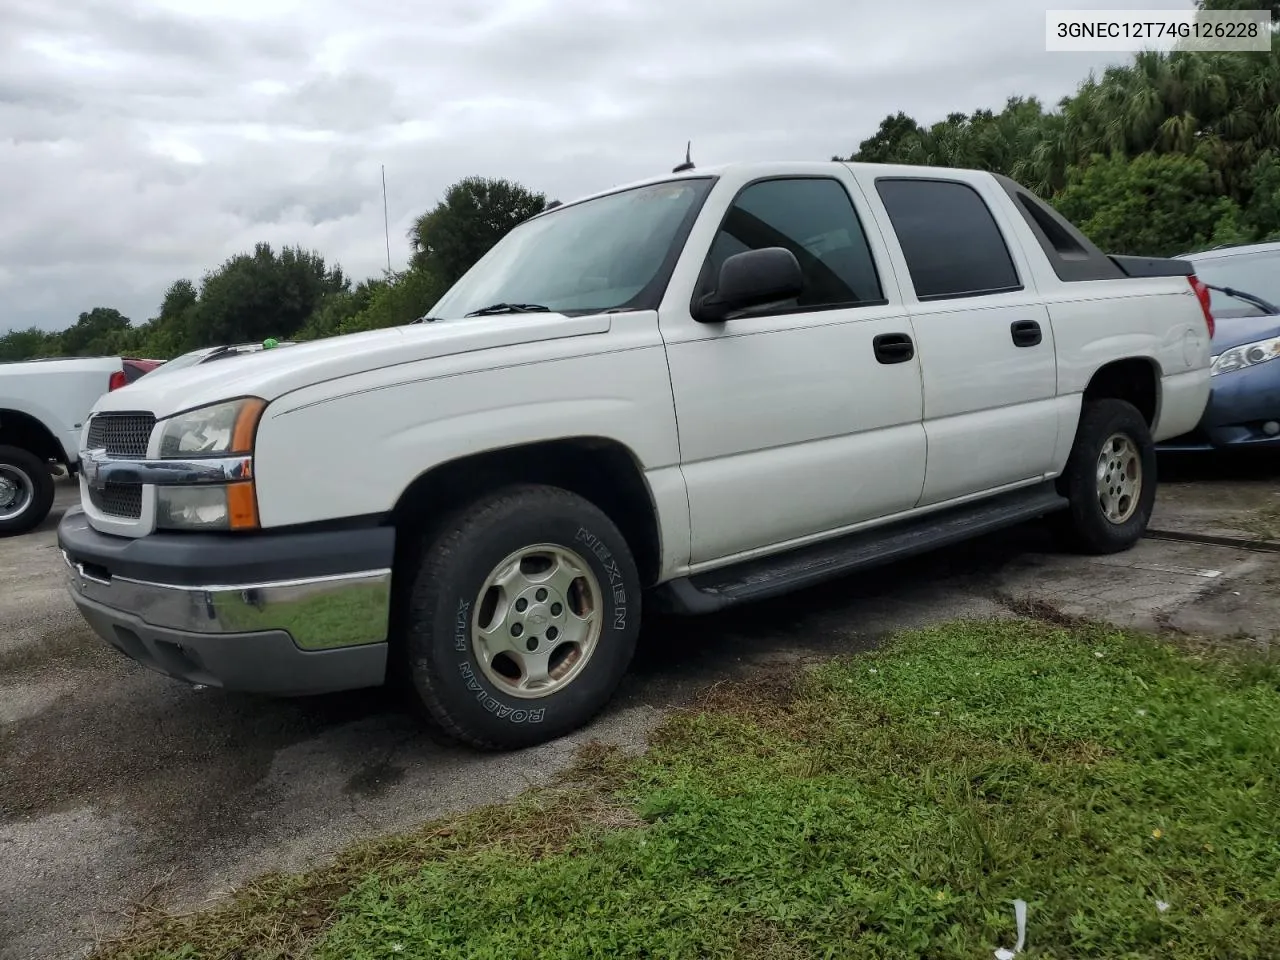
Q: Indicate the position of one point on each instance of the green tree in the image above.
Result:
(1219, 109)
(95, 333)
(1262, 212)
(29, 343)
(474, 215)
(338, 310)
(259, 295)
(402, 298)
(889, 143)
(1154, 205)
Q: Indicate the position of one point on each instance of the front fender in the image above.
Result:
(354, 454)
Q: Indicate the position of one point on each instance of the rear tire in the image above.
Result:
(1110, 480)
(26, 491)
(522, 617)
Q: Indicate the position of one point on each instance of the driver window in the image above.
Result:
(815, 220)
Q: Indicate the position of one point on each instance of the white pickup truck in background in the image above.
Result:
(703, 389)
(43, 406)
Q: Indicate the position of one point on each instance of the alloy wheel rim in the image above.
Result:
(1119, 478)
(16, 491)
(537, 621)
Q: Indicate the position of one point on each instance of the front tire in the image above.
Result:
(1109, 481)
(522, 618)
(26, 491)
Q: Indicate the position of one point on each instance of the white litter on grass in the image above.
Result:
(1098, 654)
(1161, 906)
(1020, 917)
(873, 670)
(1141, 712)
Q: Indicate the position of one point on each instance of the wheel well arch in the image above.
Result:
(1135, 380)
(18, 429)
(600, 470)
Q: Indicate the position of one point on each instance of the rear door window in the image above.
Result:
(951, 242)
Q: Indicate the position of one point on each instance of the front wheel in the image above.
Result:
(1110, 479)
(26, 491)
(522, 618)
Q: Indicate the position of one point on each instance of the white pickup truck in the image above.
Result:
(694, 391)
(43, 407)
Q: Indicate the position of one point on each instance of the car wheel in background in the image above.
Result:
(26, 491)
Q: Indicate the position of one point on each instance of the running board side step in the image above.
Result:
(806, 566)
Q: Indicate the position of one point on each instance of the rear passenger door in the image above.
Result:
(985, 341)
(801, 418)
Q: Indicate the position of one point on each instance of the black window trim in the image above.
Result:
(1095, 265)
(699, 285)
(967, 294)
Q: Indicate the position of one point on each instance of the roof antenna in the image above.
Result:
(688, 163)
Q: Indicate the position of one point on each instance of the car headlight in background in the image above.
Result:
(217, 438)
(1245, 355)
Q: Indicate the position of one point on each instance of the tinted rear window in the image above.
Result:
(951, 242)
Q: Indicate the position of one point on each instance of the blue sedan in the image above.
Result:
(1244, 406)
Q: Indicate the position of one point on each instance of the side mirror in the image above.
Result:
(751, 279)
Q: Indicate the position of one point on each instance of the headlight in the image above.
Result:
(198, 508)
(1245, 355)
(220, 430)
(221, 434)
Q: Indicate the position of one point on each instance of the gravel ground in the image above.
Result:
(118, 786)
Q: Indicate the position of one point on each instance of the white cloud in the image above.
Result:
(145, 141)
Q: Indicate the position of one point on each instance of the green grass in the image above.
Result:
(891, 805)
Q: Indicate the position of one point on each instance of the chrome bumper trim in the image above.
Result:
(99, 470)
(319, 613)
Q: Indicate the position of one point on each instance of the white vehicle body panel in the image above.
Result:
(753, 435)
(393, 423)
(990, 411)
(58, 393)
(788, 409)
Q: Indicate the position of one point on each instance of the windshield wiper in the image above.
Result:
(426, 320)
(1247, 298)
(497, 308)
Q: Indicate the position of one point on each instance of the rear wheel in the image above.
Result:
(26, 491)
(522, 618)
(1110, 480)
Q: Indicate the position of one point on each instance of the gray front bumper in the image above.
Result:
(266, 661)
(285, 635)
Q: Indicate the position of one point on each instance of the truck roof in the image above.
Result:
(766, 167)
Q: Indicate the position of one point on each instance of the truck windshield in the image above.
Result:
(614, 252)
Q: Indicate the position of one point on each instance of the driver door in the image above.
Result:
(794, 421)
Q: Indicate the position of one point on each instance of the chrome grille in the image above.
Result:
(118, 500)
(122, 435)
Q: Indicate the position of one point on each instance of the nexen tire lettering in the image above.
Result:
(616, 586)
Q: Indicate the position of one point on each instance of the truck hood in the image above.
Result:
(271, 374)
(1232, 331)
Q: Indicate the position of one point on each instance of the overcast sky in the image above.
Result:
(146, 140)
